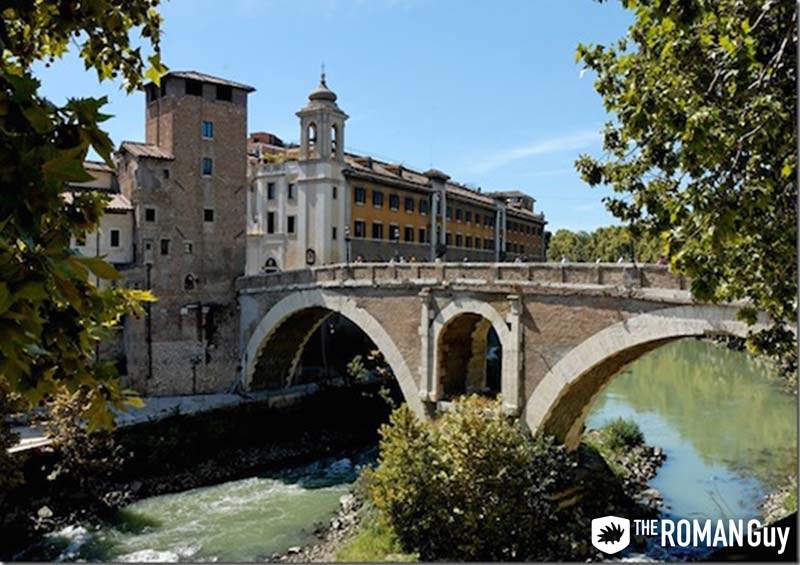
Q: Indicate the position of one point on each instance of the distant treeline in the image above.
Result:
(606, 244)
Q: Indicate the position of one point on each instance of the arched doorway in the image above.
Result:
(469, 357)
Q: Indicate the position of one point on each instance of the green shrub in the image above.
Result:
(472, 485)
(374, 543)
(620, 434)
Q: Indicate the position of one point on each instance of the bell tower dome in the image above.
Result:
(322, 125)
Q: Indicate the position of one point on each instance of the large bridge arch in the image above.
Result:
(314, 306)
(559, 405)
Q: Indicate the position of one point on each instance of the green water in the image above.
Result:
(727, 428)
(729, 431)
(244, 520)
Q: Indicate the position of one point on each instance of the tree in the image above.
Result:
(51, 315)
(572, 245)
(701, 150)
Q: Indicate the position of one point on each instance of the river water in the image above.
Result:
(728, 431)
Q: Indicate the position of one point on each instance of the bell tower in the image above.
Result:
(322, 125)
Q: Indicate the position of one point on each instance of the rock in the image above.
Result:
(44, 512)
(294, 550)
(347, 502)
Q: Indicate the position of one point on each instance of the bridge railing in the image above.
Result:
(606, 274)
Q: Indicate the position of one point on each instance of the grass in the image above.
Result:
(620, 434)
(374, 543)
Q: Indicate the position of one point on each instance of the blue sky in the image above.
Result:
(488, 92)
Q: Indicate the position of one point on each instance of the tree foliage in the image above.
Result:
(51, 315)
(606, 244)
(701, 150)
(474, 485)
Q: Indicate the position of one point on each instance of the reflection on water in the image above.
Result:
(728, 430)
(243, 520)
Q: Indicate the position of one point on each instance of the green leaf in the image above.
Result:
(100, 267)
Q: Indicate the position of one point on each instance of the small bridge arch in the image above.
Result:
(308, 309)
(560, 403)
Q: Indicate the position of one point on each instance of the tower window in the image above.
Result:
(289, 224)
(377, 198)
(334, 192)
(188, 247)
(114, 238)
(208, 130)
(334, 138)
(290, 192)
(165, 247)
(208, 166)
(194, 87)
(165, 172)
(149, 214)
(333, 233)
(312, 134)
(224, 92)
(360, 228)
(270, 191)
(360, 195)
(208, 215)
(189, 282)
(270, 222)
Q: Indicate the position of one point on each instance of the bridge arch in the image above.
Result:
(561, 401)
(311, 308)
(464, 323)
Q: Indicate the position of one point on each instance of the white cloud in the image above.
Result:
(579, 140)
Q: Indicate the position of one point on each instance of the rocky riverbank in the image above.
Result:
(181, 453)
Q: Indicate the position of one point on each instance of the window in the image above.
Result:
(448, 239)
(166, 173)
(290, 192)
(224, 92)
(377, 198)
(394, 232)
(270, 222)
(360, 195)
(270, 191)
(360, 228)
(208, 130)
(312, 134)
(165, 247)
(423, 207)
(208, 166)
(194, 87)
(188, 247)
(333, 233)
(208, 215)
(408, 204)
(80, 240)
(477, 219)
(334, 193)
(114, 238)
(409, 234)
(149, 214)
(468, 241)
(449, 212)
(487, 243)
(423, 236)
(188, 282)
(394, 202)
(459, 214)
(377, 231)
(334, 140)
(289, 224)
(467, 216)
(459, 240)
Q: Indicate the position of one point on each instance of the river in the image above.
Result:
(727, 428)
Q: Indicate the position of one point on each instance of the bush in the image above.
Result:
(620, 434)
(472, 485)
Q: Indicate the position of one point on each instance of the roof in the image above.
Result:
(194, 75)
(97, 166)
(147, 150)
(118, 202)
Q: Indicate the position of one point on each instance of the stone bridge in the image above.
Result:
(564, 330)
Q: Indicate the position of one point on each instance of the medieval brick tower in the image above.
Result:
(188, 187)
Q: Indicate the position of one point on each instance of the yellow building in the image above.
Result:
(316, 203)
